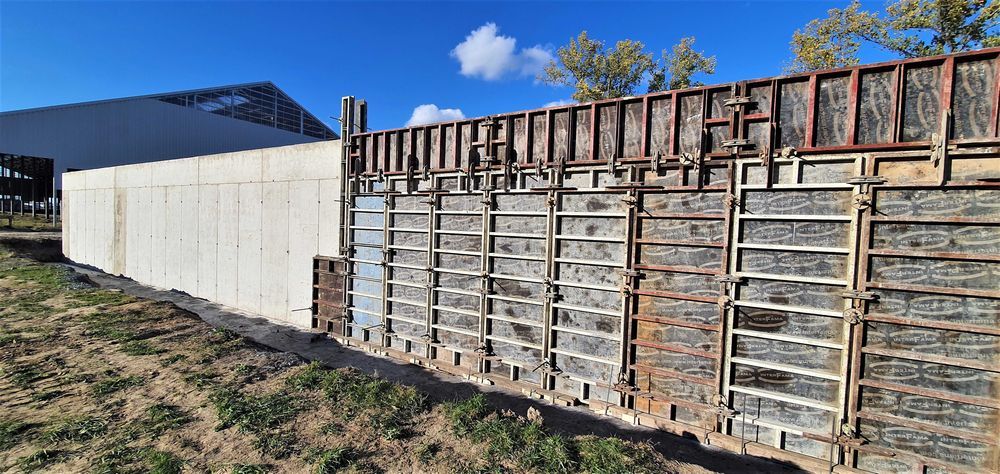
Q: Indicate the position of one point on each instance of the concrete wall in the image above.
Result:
(238, 228)
(120, 132)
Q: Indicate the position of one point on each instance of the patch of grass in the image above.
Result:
(140, 348)
(173, 359)
(24, 375)
(47, 395)
(221, 341)
(253, 413)
(11, 432)
(332, 460)
(278, 445)
(613, 455)
(41, 459)
(388, 408)
(426, 452)
(46, 276)
(162, 462)
(115, 384)
(162, 417)
(509, 438)
(244, 369)
(464, 414)
(99, 297)
(201, 379)
(310, 377)
(108, 326)
(10, 338)
(76, 429)
(250, 469)
(122, 458)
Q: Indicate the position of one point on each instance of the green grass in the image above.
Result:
(162, 417)
(99, 297)
(278, 445)
(122, 458)
(613, 455)
(528, 445)
(12, 432)
(426, 452)
(250, 469)
(48, 276)
(162, 462)
(332, 460)
(387, 408)
(41, 459)
(115, 384)
(253, 413)
(173, 359)
(24, 375)
(28, 223)
(201, 379)
(76, 429)
(140, 348)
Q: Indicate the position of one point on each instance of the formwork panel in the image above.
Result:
(786, 349)
(516, 258)
(675, 336)
(407, 281)
(928, 355)
(456, 302)
(587, 286)
(366, 267)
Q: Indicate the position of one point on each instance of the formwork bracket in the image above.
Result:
(854, 316)
(861, 201)
(859, 295)
(738, 101)
(725, 302)
(736, 144)
(849, 438)
(727, 278)
(613, 163)
(867, 180)
(630, 201)
(731, 201)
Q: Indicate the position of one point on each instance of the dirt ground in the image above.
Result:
(93, 380)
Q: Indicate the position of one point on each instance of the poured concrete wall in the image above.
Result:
(239, 229)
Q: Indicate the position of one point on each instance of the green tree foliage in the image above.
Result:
(680, 66)
(909, 28)
(597, 72)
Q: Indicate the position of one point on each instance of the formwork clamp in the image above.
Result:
(863, 180)
(729, 279)
(859, 295)
(655, 162)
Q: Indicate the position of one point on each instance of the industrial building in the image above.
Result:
(804, 268)
(160, 126)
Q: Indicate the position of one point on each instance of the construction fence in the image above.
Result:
(804, 267)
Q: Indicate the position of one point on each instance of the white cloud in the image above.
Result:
(487, 55)
(557, 103)
(430, 113)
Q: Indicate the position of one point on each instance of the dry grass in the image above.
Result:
(96, 381)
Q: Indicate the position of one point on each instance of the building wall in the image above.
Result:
(113, 133)
(239, 229)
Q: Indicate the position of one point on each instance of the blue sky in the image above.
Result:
(398, 56)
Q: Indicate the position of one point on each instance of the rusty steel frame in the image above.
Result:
(621, 156)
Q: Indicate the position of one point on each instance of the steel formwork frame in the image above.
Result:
(762, 297)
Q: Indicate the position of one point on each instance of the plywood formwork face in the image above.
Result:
(803, 267)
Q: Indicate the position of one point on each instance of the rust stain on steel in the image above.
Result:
(836, 304)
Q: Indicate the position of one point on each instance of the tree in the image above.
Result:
(909, 28)
(596, 72)
(682, 64)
